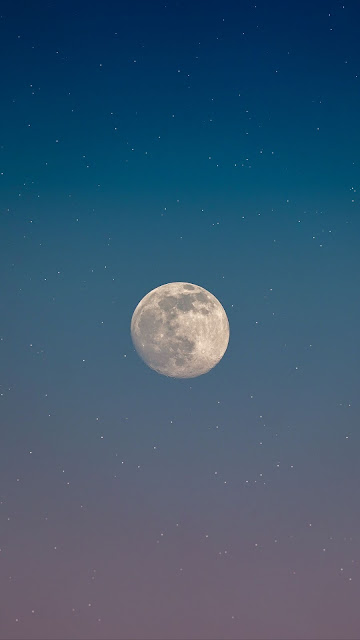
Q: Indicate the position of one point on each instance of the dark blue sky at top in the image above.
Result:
(290, 67)
(209, 142)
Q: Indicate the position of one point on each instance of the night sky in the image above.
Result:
(148, 142)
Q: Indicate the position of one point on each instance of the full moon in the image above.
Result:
(180, 330)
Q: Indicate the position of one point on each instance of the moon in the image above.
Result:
(180, 330)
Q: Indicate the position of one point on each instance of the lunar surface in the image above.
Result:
(180, 330)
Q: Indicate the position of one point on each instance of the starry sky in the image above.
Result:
(217, 143)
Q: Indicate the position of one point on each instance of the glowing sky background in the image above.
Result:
(145, 142)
